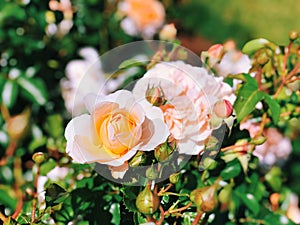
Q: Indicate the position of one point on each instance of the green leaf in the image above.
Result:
(55, 194)
(9, 93)
(7, 197)
(47, 167)
(131, 63)
(115, 211)
(34, 89)
(245, 77)
(129, 196)
(54, 125)
(273, 106)
(251, 202)
(248, 97)
(252, 46)
(232, 170)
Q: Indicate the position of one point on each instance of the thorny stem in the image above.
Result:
(234, 146)
(197, 218)
(162, 215)
(3, 218)
(34, 202)
(9, 152)
(179, 209)
(286, 78)
(18, 179)
(286, 56)
(163, 190)
(263, 123)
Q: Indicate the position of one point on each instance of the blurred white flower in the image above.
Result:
(142, 17)
(84, 76)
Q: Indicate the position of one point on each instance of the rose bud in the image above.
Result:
(151, 173)
(17, 126)
(155, 96)
(205, 198)
(223, 109)
(174, 178)
(168, 32)
(163, 151)
(293, 35)
(38, 157)
(138, 159)
(258, 140)
(147, 202)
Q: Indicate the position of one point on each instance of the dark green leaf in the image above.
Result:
(231, 170)
(248, 97)
(47, 167)
(273, 106)
(55, 194)
(115, 211)
(34, 89)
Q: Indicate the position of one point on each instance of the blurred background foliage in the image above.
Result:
(33, 59)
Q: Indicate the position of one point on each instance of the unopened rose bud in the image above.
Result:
(17, 126)
(258, 140)
(223, 109)
(151, 173)
(38, 157)
(262, 57)
(216, 51)
(147, 202)
(174, 178)
(168, 32)
(205, 198)
(138, 159)
(209, 163)
(155, 96)
(163, 151)
(293, 35)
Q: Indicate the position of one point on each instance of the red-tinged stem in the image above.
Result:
(286, 78)
(197, 218)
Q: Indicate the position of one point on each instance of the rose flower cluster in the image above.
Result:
(174, 103)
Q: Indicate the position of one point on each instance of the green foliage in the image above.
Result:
(33, 62)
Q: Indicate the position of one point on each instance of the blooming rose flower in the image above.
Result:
(190, 93)
(116, 128)
(84, 76)
(276, 148)
(142, 17)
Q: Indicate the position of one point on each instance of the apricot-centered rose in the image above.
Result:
(190, 93)
(116, 128)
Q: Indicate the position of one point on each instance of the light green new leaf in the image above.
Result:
(34, 89)
(247, 98)
(273, 106)
(131, 63)
(252, 46)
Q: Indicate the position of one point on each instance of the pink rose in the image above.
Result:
(190, 93)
